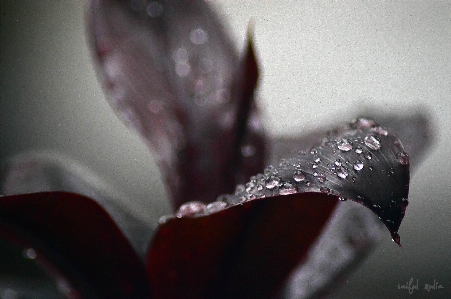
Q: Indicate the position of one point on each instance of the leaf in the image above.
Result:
(74, 236)
(244, 234)
(171, 72)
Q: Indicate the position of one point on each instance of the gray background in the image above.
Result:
(323, 62)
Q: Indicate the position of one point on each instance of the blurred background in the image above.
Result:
(322, 64)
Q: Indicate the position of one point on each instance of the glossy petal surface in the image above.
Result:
(74, 235)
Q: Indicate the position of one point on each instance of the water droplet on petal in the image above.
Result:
(341, 198)
(342, 173)
(314, 165)
(298, 176)
(248, 150)
(372, 142)
(154, 9)
(358, 150)
(190, 208)
(320, 176)
(337, 162)
(368, 156)
(286, 189)
(363, 123)
(344, 145)
(216, 206)
(198, 36)
(358, 165)
(30, 253)
(380, 131)
(403, 159)
(272, 182)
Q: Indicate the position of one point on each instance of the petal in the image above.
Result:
(170, 71)
(78, 240)
(238, 245)
(47, 171)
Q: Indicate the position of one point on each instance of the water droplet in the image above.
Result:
(344, 145)
(318, 160)
(248, 150)
(341, 198)
(198, 36)
(216, 206)
(396, 238)
(403, 158)
(320, 176)
(380, 131)
(391, 171)
(154, 9)
(342, 173)
(165, 218)
(272, 182)
(368, 156)
(286, 189)
(30, 253)
(314, 165)
(358, 165)
(190, 208)
(337, 162)
(363, 123)
(298, 176)
(308, 183)
(358, 150)
(324, 190)
(372, 142)
(234, 199)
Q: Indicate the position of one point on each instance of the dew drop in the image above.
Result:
(341, 198)
(342, 173)
(154, 9)
(324, 190)
(320, 176)
(372, 142)
(380, 131)
(198, 36)
(234, 199)
(272, 182)
(344, 145)
(318, 160)
(30, 253)
(403, 158)
(368, 156)
(358, 165)
(337, 162)
(314, 165)
(286, 189)
(298, 176)
(216, 206)
(248, 150)
(358, 150)
(363, 123)
(190, 208)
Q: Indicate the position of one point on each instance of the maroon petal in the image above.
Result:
(77, 238)
(239, 244)
(245, 251)
(169, 70)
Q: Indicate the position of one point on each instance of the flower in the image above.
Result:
(171, 73)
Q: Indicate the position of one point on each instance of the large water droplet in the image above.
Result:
(190, 208)
(372, 142)
(344, 145)
(403, 159)
(358, 165)
(216, 206)
(298, 176)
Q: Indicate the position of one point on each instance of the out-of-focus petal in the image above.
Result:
(47, 171)
(76, 238)
(170, 71)
(245, 234)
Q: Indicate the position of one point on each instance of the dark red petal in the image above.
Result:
(245, 251)
(170, 70)
(78, 238)
(33, 172)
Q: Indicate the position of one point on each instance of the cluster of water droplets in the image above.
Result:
(330, 168)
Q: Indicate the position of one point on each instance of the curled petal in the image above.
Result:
(361, 161)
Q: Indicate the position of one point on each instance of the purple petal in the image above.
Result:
(169, 70)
